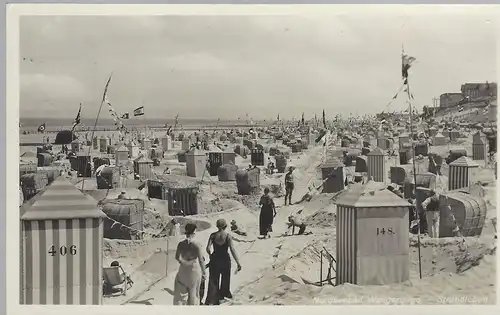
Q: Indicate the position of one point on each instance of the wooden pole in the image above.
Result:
(321, 268)
(95, 125)
(415, 179)
(166, 256)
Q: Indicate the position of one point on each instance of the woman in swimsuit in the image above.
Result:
(220, 264)
(191, 269)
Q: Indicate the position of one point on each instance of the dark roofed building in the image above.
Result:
(475, 90)
(448, 100)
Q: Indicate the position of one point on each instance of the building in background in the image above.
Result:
(448, 100)
(479, 90)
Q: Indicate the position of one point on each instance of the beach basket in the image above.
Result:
(468, 212)
(227, 172)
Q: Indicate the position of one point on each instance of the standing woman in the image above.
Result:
(220, 264)
(267, 213)
(191, 269)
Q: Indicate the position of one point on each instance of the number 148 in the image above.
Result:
(383, 231)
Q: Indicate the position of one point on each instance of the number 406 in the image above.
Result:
(63, 250)
(383, 231)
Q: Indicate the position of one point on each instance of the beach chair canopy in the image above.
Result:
(65, 137)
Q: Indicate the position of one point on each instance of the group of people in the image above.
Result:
(192, 274)
(427, 220)
(268, 210)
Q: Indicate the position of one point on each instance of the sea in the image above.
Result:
(58, 124)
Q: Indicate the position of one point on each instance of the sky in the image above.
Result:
(227, 66)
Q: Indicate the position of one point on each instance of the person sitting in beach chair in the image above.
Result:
(313, 191)
(270, 166)
(115, 276)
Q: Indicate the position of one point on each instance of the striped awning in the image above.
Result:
(465, 162)
(370, 195)
(62, 200)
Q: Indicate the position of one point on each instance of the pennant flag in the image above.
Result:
(116, 119)
(77, 120)
(105, 94)
(139, 111)
(406, 64)
(41, 128)
(126, 116)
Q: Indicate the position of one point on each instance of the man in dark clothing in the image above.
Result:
(431, 207)
(289, 185)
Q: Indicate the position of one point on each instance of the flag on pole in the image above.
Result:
(126, 116)
(139, 111)
(77, 120)
(105, 94)
(41, 128)
(406, 65)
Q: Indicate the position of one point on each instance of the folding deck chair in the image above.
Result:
(331, 267)
(114, 277)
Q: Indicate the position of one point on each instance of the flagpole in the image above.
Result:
(95, 126)
(414, 169)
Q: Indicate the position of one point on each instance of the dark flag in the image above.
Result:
(139, 111)
(77, 120)
(41, 128)
(406, 64)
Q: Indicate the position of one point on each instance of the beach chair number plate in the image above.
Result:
(63, 250)
(384, 231)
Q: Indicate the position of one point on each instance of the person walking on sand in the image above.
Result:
(191, 270)
(219, 267)
(267, 214)
(289, 185)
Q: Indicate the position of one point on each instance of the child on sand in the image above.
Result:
(296, 221)
(235, 229)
